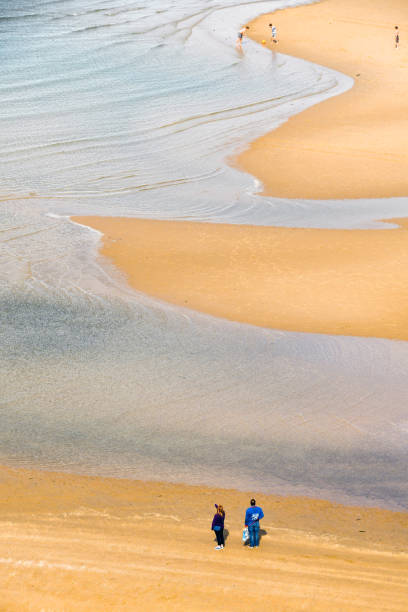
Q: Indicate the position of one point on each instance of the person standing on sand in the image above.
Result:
(218, 527)
(241, 34)
(274, 33)
(397, 37)
(252, 517)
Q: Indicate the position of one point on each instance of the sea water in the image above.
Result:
(133, 108)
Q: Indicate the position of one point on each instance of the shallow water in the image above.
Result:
(132, 108)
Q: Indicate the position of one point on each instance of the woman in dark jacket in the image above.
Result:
(218, 526)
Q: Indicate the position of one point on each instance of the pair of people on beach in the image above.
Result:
(244, 31)
(253, 515)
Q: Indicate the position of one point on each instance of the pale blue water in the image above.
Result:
(133, 108)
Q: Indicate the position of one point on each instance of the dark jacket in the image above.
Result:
(218, 520)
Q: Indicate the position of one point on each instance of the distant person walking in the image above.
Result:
(397, 38)
(218, 527)
(252, 517)
(241, 34)
(274, 33)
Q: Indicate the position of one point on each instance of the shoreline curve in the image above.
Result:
(345, 282)
(352, 145)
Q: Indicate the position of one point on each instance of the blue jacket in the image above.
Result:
(252, 515)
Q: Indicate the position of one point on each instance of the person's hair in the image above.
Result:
(220, 510)
(253, 502)
(270, 24)
(247, 27)
(396, 27)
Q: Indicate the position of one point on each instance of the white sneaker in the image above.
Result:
(218, 547)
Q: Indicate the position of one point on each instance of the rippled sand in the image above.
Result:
(77, 543)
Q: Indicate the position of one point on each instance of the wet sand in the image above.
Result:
(353, 145)
(322, 281)
(82, 543)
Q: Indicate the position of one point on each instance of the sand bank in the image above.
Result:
(82, 543)
(322, 281)
(353, 145)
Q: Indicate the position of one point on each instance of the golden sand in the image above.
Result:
(79, 544)
(322, 281)
(353, 145)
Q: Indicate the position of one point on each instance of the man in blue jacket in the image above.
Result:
(252, 517)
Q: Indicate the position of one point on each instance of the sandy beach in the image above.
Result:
(353, 145)
(82, 543)
(321, 281)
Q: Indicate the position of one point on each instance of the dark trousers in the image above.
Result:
(220, 537)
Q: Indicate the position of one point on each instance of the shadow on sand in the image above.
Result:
(226, 535)
(262, 532)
